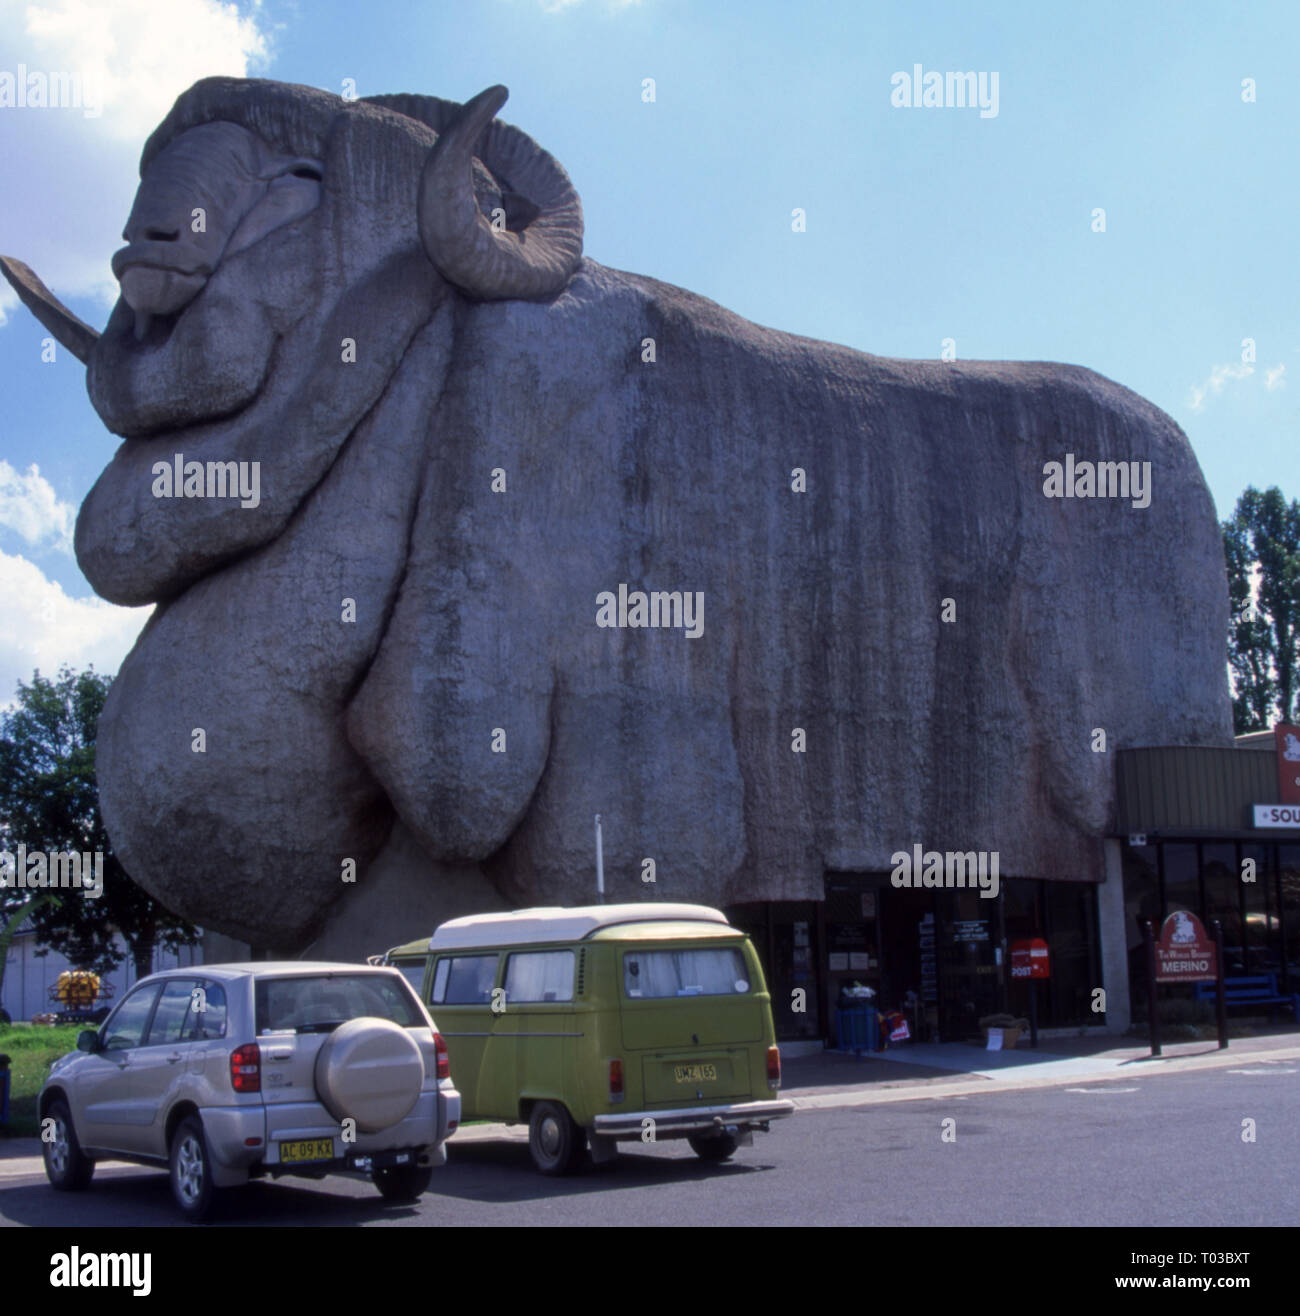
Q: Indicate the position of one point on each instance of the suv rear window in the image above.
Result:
(716, 971)
(317, 1003)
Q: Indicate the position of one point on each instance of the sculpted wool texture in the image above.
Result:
(463, 443)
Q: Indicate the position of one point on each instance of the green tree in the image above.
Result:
(1261, 544)
(49, 802)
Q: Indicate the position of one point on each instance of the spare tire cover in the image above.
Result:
(369, 1070)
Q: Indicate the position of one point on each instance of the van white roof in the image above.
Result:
(555, 923)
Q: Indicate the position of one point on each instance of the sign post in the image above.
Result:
(1030, 959)
(1153, 1012)
(1184, 954)
(1221, 1003)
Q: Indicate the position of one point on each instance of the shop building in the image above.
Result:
(1187, 821)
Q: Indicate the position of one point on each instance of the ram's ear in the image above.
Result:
(74, 333)
(293, 190)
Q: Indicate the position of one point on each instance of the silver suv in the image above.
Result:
(226, 1072)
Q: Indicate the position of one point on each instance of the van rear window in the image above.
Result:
(654, 974)
(412, 971)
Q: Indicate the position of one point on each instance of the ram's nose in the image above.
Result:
(157, 278)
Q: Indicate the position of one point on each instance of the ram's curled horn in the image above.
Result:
(75, 334)
(498, 263)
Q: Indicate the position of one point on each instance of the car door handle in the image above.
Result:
(174, 1057)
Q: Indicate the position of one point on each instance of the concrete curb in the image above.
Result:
(1016, 1081)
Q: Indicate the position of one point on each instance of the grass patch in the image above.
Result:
(30, 1049)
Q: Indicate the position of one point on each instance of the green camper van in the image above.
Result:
(604, 1024)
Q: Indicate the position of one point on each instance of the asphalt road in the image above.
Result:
(1161, 1150)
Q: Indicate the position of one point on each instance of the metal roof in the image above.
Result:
(522, 927)
(1169, 788)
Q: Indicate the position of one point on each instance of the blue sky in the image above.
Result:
(922, 223)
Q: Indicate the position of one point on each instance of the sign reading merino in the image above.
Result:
(1185, 952)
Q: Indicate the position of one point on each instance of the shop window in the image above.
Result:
(1223, 900)
(1258, 904)
(1071, 930)
(1288, 880)
(1182, 881)
(1141, 902)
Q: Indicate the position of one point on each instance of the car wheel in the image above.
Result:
(402, 1183)
(191, 1169)
(714, 1147)
(554, 1140)
(67, 1167)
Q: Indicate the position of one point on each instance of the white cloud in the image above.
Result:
(44, 628)
(1273, 377)
(30, 507)
(559, 6)
(1215, 384)
(79, 172)
(139, 55)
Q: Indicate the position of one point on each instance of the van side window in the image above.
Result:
(465, 980)
(545, 975)
(717, 971)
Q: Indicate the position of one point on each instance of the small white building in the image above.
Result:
(28, 977)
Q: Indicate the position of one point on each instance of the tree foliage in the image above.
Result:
(1261, 543)
(49, 802)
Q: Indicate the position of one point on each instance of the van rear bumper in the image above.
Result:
(692, 1119)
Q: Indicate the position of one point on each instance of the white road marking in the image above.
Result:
(1101, 1091)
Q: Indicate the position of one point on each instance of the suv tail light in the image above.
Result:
(246, 1068)
(616, 1080)
(444, 1061)
(773, 1067)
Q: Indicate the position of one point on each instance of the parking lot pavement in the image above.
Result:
(831, 1079)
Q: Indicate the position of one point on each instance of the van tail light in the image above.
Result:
(444, 1061)
(616, 1080)
(246, 1068)
(773, 1067)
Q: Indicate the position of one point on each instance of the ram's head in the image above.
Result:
(271, 223)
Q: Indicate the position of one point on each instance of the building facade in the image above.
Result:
(1186, 835)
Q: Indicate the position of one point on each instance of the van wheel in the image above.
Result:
(714, 1147)
(191, 1170)
(67, 1167)
(554, 1140)
(402, 1183)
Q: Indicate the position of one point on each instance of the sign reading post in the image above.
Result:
(1030, 959)
(1185, 951)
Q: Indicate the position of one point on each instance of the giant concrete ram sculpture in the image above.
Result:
(476, 449)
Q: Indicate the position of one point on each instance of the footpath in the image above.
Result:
(912, 1071)
(919, 1070)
